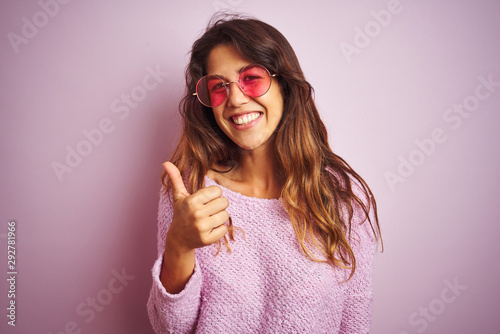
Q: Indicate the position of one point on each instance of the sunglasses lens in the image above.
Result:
(255, 80)
(211, 91)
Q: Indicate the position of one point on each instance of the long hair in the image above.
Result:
(317, 192)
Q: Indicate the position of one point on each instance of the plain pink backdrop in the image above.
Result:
(382, 83)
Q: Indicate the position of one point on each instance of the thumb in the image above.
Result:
(179, 190)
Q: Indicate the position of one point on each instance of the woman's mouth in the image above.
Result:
(246, 118)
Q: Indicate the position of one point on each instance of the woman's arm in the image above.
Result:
(357, 313)
(174, 312)
(185, 222)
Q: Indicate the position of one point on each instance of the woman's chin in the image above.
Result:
(252, 145)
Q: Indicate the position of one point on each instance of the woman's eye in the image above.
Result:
(218, 87)
(251, 78)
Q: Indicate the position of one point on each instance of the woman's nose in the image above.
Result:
(236, 96)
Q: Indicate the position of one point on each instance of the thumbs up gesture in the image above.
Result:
(199, 218)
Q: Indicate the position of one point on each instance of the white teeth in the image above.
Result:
(246, 118)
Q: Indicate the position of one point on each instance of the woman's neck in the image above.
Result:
(255, 174)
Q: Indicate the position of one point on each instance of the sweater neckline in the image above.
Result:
(239, 196)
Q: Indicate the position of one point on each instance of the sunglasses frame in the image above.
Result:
(226, 84)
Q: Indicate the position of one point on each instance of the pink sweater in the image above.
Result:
(267, 284)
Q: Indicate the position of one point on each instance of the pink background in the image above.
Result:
(76, 232)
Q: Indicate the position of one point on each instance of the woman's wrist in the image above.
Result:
(177, 267)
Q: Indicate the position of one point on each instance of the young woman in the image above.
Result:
(262, 228)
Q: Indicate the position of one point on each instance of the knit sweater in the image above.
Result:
(266, 284)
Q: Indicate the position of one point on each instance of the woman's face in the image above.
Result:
(260, 115)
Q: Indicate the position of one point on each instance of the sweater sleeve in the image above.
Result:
(172, 313)
(357, 312)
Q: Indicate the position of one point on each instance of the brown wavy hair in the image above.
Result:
(318, 192)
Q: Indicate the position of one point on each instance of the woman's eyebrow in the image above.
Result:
(237, 72)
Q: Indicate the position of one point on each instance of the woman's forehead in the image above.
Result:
(225, 60)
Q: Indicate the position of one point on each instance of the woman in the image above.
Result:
(262, 229)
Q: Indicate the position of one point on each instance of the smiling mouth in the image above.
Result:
(245, 119)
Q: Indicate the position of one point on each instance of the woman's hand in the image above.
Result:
(198, 220)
